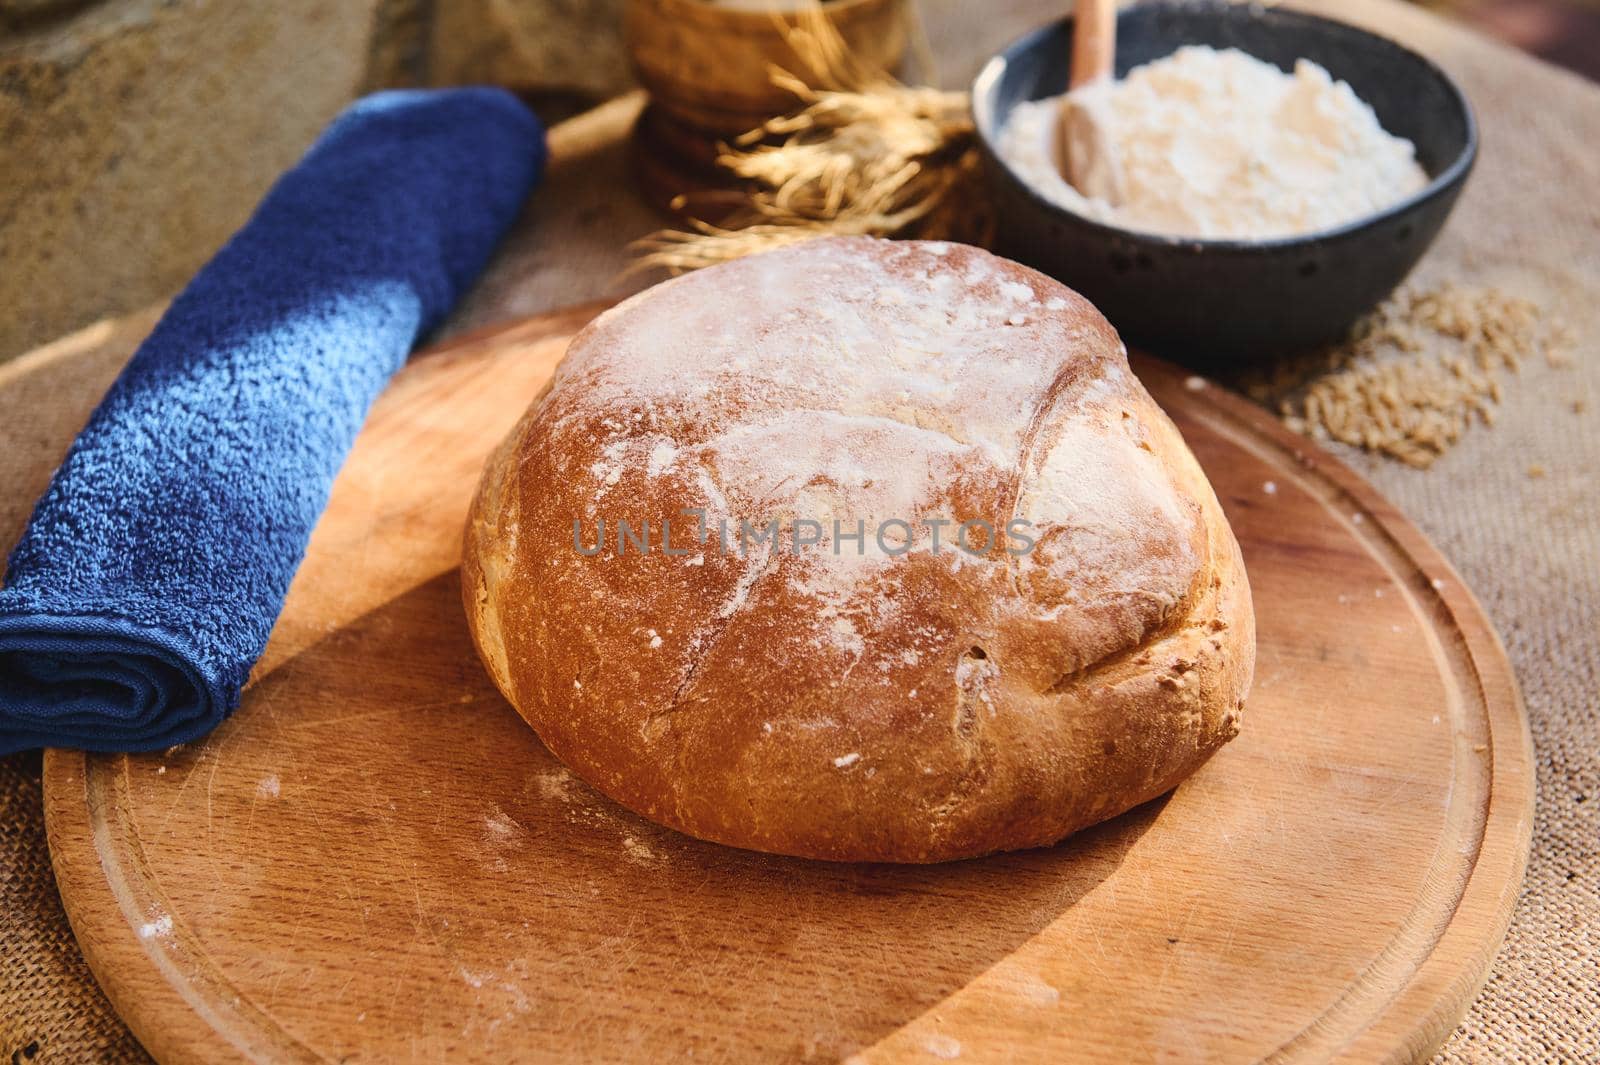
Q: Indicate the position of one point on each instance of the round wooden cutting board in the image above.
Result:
(375, 860)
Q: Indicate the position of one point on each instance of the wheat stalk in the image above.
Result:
(862, 155)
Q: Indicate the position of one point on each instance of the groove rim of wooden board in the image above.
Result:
(1399, 1009)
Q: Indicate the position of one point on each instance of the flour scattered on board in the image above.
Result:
(845, 760)
(498, 827)
(568, 797)
(1038, 992)
(553, 784)
(508, 983)
(160, 924)
(268, 787)
(501, 836)
(943, 1047)
(639, 851)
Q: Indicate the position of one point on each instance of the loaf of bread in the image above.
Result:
(786, 659)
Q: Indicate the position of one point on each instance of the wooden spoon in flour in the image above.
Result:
(1087, 156)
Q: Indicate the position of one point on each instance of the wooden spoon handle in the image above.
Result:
(1094, 41)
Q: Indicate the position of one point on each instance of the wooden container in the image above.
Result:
(707, 65)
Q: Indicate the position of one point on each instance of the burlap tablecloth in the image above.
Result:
(1529, 545)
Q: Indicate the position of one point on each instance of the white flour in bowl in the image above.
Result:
(1217, 144)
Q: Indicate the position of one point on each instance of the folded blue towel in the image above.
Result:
(155, 565)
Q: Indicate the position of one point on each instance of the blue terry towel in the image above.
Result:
(156, 564)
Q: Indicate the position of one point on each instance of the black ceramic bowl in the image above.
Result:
(1223, 301)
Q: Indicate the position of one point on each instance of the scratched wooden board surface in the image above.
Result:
(375, 860)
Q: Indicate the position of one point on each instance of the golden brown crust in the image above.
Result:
(892, 707)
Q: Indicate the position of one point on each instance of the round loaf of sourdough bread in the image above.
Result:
(880, 696)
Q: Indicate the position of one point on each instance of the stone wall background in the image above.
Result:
(136, 135)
